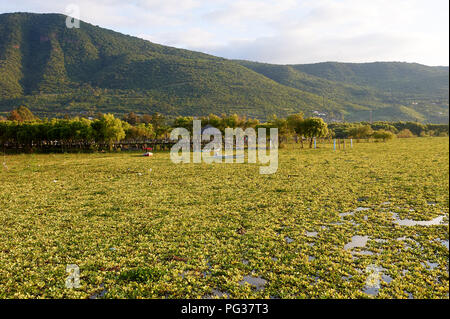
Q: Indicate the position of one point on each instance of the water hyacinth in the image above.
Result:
(131, 240)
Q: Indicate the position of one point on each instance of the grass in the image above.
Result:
(186, 230)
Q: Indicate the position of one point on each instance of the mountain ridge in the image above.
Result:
(54, 70)
(365, 92)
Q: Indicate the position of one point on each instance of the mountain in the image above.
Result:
(54, 70)
(392, 90)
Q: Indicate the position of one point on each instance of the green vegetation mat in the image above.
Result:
(145, 227)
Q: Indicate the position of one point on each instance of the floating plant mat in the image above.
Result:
(224, 230)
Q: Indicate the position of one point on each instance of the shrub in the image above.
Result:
(361, 131)
(383, 135)
(405, 133)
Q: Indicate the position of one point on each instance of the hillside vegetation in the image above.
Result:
(54, 71)
(392, 90)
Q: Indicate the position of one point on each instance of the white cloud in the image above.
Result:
(190, 38)
(353, 32)
(245, 12)
(357, 31)
(277, 31)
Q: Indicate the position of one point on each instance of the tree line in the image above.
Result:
(21, 129)
(375, 129)
(77, 133)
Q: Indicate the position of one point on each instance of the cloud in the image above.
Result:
(238, 13)
(277, 31)
(351, 31)
(190, 38)
(288, 50)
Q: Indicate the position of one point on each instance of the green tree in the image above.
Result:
(185, 122)
(383, 135)
(295, 124)
(139, 132)
(214, 121)
(314, 127)
(405, 133)
(361, 131)
(282, 125)
(108, 129)
(251, 123)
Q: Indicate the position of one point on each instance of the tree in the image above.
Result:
(413, 127)
(21, 114)
(214, 121)
(383, 135)
(232, 121)
(282, 126)
(405, 133)
(295, 123)
(108, 129)
(146, 119)
(139, 132)
(387, 126)
(131, 118)
(251, 123)
(158, 120)
(314, 127)
(184, 122)
(80, 130)
(361, 131)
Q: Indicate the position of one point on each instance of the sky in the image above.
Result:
(275, 31)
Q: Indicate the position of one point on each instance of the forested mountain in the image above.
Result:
(393, 90)
(54, 70)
